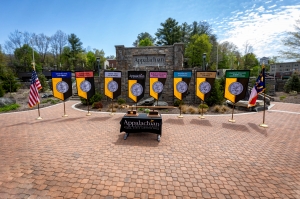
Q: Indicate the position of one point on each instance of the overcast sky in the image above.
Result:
(104, 24)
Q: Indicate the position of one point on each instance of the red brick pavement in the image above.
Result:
(86, 157)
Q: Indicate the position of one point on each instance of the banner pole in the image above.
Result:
(232, 120)
(88, 114)
(263, 124)
(65, 115)
(39, 118)
(180, 116)
(202, 117)
(112, 106)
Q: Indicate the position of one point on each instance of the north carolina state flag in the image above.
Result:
(85, 84)
(62, 84)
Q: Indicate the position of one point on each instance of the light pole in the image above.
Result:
(98, 63)
(204, 57)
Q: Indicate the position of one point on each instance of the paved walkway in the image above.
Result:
(86, 157)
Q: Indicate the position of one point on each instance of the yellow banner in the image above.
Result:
(176, 93)
(108, 93)
(198, 92)
(152, 92)
(56, 93)
(130, 95)
(81, 93)
(227, 93)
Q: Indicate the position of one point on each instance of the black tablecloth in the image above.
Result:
(141, 123)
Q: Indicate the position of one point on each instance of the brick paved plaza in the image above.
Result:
(86, 157)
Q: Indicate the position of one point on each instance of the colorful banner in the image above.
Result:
(62, 84)
(236, 84)
(204, 83)
(112, 84)
(136, 85)
(157, 82)
(85, 84)
(181, 83)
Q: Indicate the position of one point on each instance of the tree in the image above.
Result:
(24, 58)
(198, 45)
(292, 42)
(42, 44)
(185, 31)
(58, 41)
(202, 27)
(145, 42)
(250, 61)
(169, 33)
(91, 60)
(226, 56)
(143, 36)
(293, 83)
(75, 48)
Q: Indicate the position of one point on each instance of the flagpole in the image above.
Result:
(232, 120)
(33, 65)
(264, 113)
(65, 115)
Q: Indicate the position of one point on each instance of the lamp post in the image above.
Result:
(204, 57)
(98, 64)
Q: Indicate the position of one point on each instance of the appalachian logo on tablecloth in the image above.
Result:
(136, 85)
(204, 83)
(61, 84)
(85, 84)
(236, 84)
(157, 82)
(112, 84)
(181, 83)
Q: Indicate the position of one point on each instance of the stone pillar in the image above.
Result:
(178, 56)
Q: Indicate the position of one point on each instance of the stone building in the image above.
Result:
(164, 58)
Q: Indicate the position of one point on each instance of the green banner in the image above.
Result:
(237, 74)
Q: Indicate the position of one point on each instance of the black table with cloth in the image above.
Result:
(141, 123)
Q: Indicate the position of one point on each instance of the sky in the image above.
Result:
(103, 24)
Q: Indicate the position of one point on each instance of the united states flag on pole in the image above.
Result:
(35, 86)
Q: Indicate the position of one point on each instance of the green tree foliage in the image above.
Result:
(143, 36)
(217, 94)
(44, 83)
(24, 58)
(292, 42)
(169, 33)
(75, 48)
(199, 44)
(293, 83)
(2, 92)
(91, 60)
(145, 42)
(95, 98)
(185, 31)
(250, 61)
(8, 80)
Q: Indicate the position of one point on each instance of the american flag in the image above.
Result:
(35, 86)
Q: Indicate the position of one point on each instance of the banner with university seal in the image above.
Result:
(112, 84)
(204, 83)
(157, 82)
(181, 83)
(85, 84)
(236, 84)
(61, 84)
(136, 85)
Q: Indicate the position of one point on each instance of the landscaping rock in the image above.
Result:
(4, 101)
